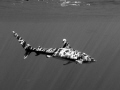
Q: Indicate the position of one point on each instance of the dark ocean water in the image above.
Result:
(93, 30)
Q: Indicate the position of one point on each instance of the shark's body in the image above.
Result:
(64, 53)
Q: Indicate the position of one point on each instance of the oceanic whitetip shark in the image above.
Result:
(63, 53)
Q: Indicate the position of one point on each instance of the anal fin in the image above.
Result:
(48, 56)
(67, 63)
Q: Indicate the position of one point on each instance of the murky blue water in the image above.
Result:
(94, 30)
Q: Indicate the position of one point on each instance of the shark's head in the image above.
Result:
(84, 58)
(89, 60)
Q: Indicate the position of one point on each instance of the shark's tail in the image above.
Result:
(28, 48)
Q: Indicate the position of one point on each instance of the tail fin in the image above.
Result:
(28, 48)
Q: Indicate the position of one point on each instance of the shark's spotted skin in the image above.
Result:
(75, 55)
(65, 52)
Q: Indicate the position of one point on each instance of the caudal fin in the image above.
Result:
(28, 48)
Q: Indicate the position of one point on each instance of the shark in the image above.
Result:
(66, 52)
